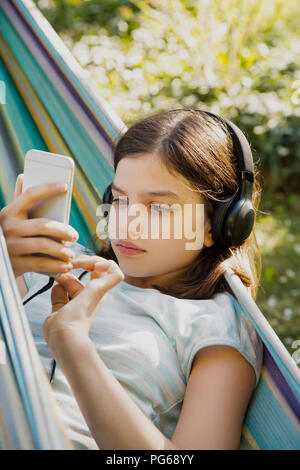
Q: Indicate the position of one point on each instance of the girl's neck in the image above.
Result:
(163, 280)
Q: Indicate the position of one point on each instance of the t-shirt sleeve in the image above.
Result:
(217, 321)
(33, 279)
(27, 279)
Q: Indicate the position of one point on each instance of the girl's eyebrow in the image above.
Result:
(149, 193)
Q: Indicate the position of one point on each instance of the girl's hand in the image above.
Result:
(27, 237)
(70, 319)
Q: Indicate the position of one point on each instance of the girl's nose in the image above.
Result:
(137, 221)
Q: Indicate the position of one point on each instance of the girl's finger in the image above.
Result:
(71, 284)
(43, 226)
(94, 291)
(102, 269)
(88, 262)
(30, 246)
(26, 200)
(19, 185)
(42, 264)
(59, 297)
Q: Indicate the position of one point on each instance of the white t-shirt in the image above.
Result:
(148, 341)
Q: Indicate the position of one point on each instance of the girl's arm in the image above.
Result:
(216, 397)
(113, 418)
(22, 286)
(212, 415)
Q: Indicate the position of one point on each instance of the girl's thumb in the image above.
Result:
(18, 186)
(59, 297)
(93, 294)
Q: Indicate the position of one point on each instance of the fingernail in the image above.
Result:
(73, 234)
(62, 186)
(68, 266)
(70, 254)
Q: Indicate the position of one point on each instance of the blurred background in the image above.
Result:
(238, 58)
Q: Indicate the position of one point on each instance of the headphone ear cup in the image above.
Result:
(218, 219)
(239, 222)
(107, 196)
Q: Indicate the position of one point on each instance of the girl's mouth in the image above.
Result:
(129, 251)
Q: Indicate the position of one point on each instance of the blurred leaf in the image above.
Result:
(269, 274)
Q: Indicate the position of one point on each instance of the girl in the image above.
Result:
(154, 346)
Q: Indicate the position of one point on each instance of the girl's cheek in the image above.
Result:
(193, 224)
(169, 226)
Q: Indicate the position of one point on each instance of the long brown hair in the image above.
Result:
(200, 148)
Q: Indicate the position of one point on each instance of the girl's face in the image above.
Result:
(171, 228)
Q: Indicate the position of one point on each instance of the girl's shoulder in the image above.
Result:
(216, 321)
(220, 316)
(222, 304)
(221, 307)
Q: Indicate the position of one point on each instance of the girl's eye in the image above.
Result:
(119, 199)
(156, 207)
(159, 208)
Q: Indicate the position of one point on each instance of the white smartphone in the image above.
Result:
(44, 167)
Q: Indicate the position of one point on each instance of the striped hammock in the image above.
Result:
(49, 103)
(29, 418)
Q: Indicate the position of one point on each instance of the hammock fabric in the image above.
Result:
(28, 414)
(273, 416)
(52, 105)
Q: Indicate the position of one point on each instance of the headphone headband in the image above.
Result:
(241, 147)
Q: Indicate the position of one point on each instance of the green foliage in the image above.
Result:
(238, 58)
(77, 17)
(279, 239)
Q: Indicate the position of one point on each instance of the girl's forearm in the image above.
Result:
(113, 418)
(22, 286)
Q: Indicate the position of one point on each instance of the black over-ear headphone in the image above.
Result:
(233, 218)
